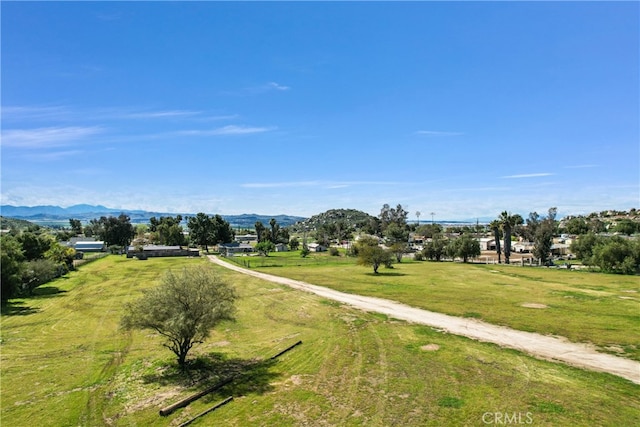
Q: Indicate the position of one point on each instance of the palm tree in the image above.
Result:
(495, 227)
(508, 222)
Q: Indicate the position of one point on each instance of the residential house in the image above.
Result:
(316, 247)
(522, 247)
(559, 249)
(95, 246)
(230, 249)
(281, 247)
(85, 244)
(149, 251)
(487, 244)
(247, 238)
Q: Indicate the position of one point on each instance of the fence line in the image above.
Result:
(261, 262)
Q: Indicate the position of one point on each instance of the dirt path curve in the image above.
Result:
(546, 347)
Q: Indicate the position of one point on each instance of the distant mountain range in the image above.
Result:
(48, 214)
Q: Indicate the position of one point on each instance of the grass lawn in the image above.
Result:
(64, 362)
(603, 309)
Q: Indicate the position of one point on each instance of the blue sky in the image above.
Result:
(462, 109)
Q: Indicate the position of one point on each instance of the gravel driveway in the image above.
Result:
(552, 348)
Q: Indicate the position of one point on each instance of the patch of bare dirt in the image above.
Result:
(533, 305)
(430, 347)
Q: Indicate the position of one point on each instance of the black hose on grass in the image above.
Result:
(213, 408)
(285, 350)
(184, 402)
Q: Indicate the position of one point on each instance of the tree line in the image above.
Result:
(29, 259)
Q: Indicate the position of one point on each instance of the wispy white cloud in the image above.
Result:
(67, 113)
(162, 114)
(276, 86)
(89, 171)
(280, 184)
(47, 137)
(259, 89)
(437, 133)
(581, 166)
(52, 156)
(323, 184)
(228, 130)
(16, 113)
(215, 118)
(528, 175)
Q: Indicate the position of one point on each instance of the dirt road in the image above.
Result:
(546, 347)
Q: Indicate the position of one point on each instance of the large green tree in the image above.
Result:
(34, 244)
(617, 255)
(11, 263)
(508, 222)
(224, 231)
(389, 215)
(627, 226)
(275, 229)
(533, 222)
(611, 254)
(543, 239)
(183, 309)
(583, 246)
(116, 230)
(200, 230)
(576, 225)
(261, 231)
(205, 230)
(429, 230)
(76, 226)
(167, 230)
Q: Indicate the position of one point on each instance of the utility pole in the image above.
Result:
(432, 215)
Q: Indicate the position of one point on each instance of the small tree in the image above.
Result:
(370, 254)
(294, 244)
(264, 247)
(465, 247)
(397, 237)
(183, 309)
(304, 251)
(435, 249)
(374, 256)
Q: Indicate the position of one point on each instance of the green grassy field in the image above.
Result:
(603, 309)
(66, 363)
